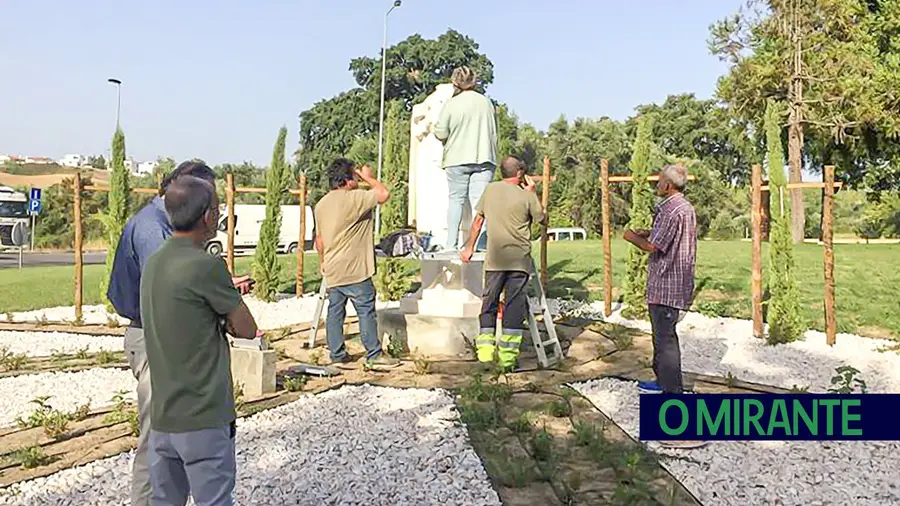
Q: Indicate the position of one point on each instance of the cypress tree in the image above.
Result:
(783, 315)
(396, 168)
(266, 269)
(642, 201)
(117, 211)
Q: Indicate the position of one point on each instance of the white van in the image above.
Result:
(248, 219)
(566, 234)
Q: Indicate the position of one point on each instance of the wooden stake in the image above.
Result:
(229, 204)
(828, 241)
(301, 246)
(79, 266)
(607, 240)
(545, 202)
(756, 250)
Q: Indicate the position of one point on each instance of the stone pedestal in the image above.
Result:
(254, 370)
(436, 320)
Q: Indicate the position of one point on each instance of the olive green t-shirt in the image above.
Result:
(508, 214)
(344, 221)
(185, 295)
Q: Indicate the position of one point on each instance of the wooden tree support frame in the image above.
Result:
(230, 192)
(756, 292)
(605, 180)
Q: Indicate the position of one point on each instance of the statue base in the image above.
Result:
(439, 318)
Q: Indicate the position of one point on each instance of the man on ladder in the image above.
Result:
(509, 207)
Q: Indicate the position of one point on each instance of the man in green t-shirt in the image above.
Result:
(508, 207)
(188, 300)
(346, 245)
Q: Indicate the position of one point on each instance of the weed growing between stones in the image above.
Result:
(32, 457)
(54, 421)
(105, 357)
(122, 412)
(12, 361)
(295, 383)
(620, 336)
(82, 354)
(846, 381)
(422, 366)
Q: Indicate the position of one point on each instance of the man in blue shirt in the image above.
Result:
(144, 233)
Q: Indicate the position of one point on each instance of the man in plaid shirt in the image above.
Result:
(672, 244)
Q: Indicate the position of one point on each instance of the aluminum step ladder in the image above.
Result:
(549, 351)
(317, 316)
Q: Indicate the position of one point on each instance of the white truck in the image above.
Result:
(13, 210)
(248, 219)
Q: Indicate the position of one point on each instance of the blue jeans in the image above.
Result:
(464, 181)
(200, 463)
(362, 295)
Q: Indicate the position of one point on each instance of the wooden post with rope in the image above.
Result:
(607, 237)
(545, 204)
(301, 244)
(828, 244)
(756, 250)
(229, 204)
(79, 259)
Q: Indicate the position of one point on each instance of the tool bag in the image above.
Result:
(400, 243)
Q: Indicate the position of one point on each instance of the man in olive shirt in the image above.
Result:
(346, 245)
(508, 207)
(187, 301)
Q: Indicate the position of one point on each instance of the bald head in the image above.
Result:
(511, 167)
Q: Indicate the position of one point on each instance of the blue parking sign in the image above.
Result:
(34, 201)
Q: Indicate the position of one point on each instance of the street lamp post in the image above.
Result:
(381, 111)
(118, 84)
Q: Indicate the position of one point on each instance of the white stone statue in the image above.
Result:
(428, 190)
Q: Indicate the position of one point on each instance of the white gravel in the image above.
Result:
(68, 390)
(739, 473)
(41, 344)
(719, 346)
(361, 445)
(288, 310)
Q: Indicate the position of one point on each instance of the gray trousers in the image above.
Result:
(198, 463)
(666, 350)
(136, 354)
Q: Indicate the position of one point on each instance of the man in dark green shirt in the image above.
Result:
(187, 301)
(509, 207)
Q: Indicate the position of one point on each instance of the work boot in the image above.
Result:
(382, 362)
(485, 348)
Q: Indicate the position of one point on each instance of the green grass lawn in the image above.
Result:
(867, 298)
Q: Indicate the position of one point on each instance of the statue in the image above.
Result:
(428, 191)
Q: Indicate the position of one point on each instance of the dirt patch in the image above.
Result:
(47, 180)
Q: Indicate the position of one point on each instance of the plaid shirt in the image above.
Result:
(670, 277)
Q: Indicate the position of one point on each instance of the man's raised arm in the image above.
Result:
(381, 191)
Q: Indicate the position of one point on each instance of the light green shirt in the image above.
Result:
(468, 129)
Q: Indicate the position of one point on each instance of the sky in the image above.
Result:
(216, 79)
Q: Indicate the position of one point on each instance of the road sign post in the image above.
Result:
(34, 208)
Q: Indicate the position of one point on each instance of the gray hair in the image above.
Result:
(463, 78)
(188, 198)
(675, 174)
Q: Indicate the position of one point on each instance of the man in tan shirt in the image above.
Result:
(509, 207)
(346, 245)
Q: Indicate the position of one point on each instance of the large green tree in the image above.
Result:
(641, 219)
(819, 59)
(415, 67)
(783, 311)
(117, 212)
(266, 269)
